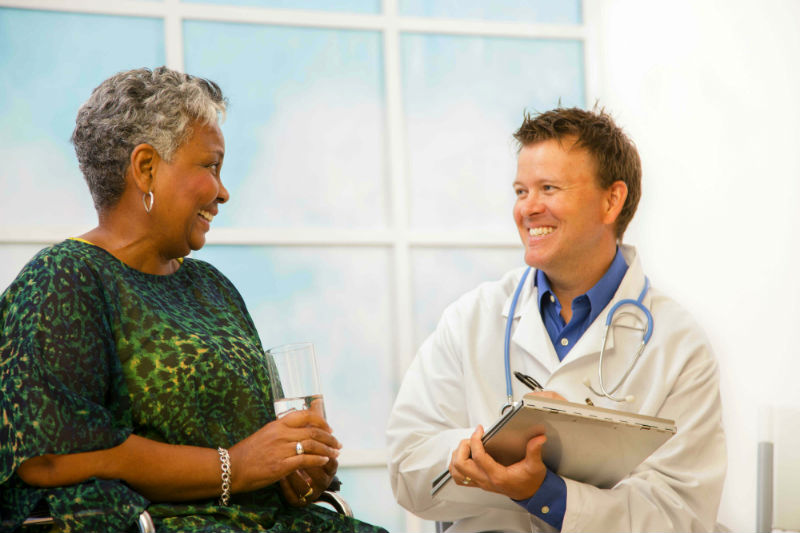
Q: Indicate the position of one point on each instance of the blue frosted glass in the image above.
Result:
(337, 298)
(352, 6)
(49, 64)
(439, 277)
(305, 131)
(541, 11)
(463, 99)
(369, 494)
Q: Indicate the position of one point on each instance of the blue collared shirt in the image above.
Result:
(585, 308)
(550, 501)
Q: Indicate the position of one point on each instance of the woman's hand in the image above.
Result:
(304, 486)
(270, 454)
(170, 472)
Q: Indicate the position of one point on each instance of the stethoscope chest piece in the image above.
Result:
(646, 331)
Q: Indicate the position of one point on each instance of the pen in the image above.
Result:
(528, 381)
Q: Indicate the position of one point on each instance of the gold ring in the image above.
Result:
(467, 481)
(303, 501)
(309, 493)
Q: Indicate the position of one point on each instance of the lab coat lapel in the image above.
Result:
(530, 333)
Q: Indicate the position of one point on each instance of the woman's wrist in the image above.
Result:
(225, 476)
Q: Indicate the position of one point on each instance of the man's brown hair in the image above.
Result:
(614, 153)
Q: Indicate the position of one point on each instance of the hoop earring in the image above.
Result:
(149, 194)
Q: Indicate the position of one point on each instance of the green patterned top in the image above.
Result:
(92, 350)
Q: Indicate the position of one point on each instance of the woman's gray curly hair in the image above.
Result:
(157, 107)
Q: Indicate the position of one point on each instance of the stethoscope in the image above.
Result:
(608, 393)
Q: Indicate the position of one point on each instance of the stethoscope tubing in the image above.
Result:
(609, 319)
(507, 340)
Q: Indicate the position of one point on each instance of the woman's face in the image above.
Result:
(188, 191)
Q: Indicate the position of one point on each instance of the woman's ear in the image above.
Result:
(143, 162)
(616, 195)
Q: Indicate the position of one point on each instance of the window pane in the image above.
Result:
(305, 131)
(49, 64)
(464, 97)
(369, 494)
(440, 276)
(337, 298)
(541, 11)
(352, 6)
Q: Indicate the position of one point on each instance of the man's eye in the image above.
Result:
(519, 192)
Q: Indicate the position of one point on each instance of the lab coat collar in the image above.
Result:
(531, 334)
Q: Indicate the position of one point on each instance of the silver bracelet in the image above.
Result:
(225, 459)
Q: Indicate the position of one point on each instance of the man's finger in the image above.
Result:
(459, 459)
(476, 443)
(548, 394)
(533, 450)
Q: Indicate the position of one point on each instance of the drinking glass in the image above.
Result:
(295, 379)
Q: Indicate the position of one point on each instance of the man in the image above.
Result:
(577, 187)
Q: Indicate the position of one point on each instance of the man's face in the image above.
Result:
(561, 212)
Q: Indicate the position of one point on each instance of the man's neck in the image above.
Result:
(567, 288)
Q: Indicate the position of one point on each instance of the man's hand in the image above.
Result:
(471, 466)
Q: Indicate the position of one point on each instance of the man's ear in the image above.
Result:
(616, 195)
(144, 159)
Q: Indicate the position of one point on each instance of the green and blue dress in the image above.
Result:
(92, 350)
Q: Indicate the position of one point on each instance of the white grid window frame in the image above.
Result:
(399, 236)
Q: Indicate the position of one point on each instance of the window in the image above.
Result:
(369, 160)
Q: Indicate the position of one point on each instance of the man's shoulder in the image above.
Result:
(673, 319)
(490, 295)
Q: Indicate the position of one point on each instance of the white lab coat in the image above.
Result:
(457, 381)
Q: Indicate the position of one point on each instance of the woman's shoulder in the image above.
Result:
(203, 272)
(203, 269)
(65, 258)
(52, 299)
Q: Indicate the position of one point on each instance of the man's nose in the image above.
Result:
(531, 204)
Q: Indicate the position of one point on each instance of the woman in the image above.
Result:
(133, 378)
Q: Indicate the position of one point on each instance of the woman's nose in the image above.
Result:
(222, 195)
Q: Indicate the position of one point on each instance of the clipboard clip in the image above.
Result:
(507, 406)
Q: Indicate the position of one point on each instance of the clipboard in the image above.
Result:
(586, 443)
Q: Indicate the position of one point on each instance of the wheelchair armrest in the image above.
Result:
(145, 522)
(337, 502)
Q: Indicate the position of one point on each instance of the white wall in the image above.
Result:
(710, 91)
